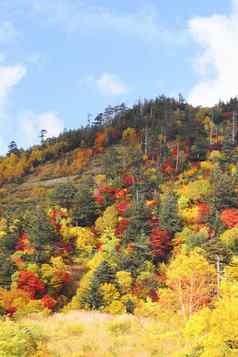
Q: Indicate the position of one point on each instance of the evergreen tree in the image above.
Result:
(136, 246)
(224, 190)
(138, 217)
(92, 298)
(42, 235)
(43, 134)
(7, 248)
(168, 215)
(215, 248)
(12, 148)
(98, 121)
(85, 210)
(63, 195)
(133, 256)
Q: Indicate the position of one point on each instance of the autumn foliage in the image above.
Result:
(229, 217)
(203, 212)
(135, 213)
(160, 242)
(122, 207)
(48, 302)
(30, 283)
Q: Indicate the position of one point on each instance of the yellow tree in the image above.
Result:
(108, 220)
(214, 332)
(192, 280)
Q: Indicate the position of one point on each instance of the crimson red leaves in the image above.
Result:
(30, 283)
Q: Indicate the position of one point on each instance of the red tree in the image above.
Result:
(229, 217)
(121, 227)
(23, 243)
(203, 212)
(128, 180)
(30, 283)
(48, 302)
(160, 242)
(122, 207)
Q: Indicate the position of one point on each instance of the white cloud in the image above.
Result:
(108, 84)
(31, 124)
(10, 76)
(217, 62)
(111, 85)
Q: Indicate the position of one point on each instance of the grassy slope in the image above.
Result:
(43, 177)
(92, 334)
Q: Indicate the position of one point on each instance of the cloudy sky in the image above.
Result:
(63, 59)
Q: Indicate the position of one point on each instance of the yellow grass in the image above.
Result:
(93, 334)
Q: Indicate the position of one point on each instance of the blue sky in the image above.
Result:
(63, 59)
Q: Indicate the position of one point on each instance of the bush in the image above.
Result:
(17, 340)
(120, 326)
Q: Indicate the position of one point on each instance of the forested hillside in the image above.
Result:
(135, 213)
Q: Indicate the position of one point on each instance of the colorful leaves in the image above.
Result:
(203, 212)
(30, 283)
(128, 180)
(99, 198)
(104, 194)
(57, 217)
(101, 139)
(130, 135)
(85, 238)
(122, 207)
(229, 217)
(14, 299)
(192, 280)
(122, 226)
(108, 220)
(23, 244)
(48, 302)
(230, 239)
(121, 194)
(196, 214)
(196, 190)
(160, 242)
(168, 167)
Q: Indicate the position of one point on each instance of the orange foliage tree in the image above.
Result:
(101, 139)
(229, 217)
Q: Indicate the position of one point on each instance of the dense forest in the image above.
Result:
(136, 213)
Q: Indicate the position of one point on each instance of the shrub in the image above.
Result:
(119, 326)
(115, 308)
(17, 340)
(230, 239)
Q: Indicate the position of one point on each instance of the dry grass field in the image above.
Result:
(93, 334)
